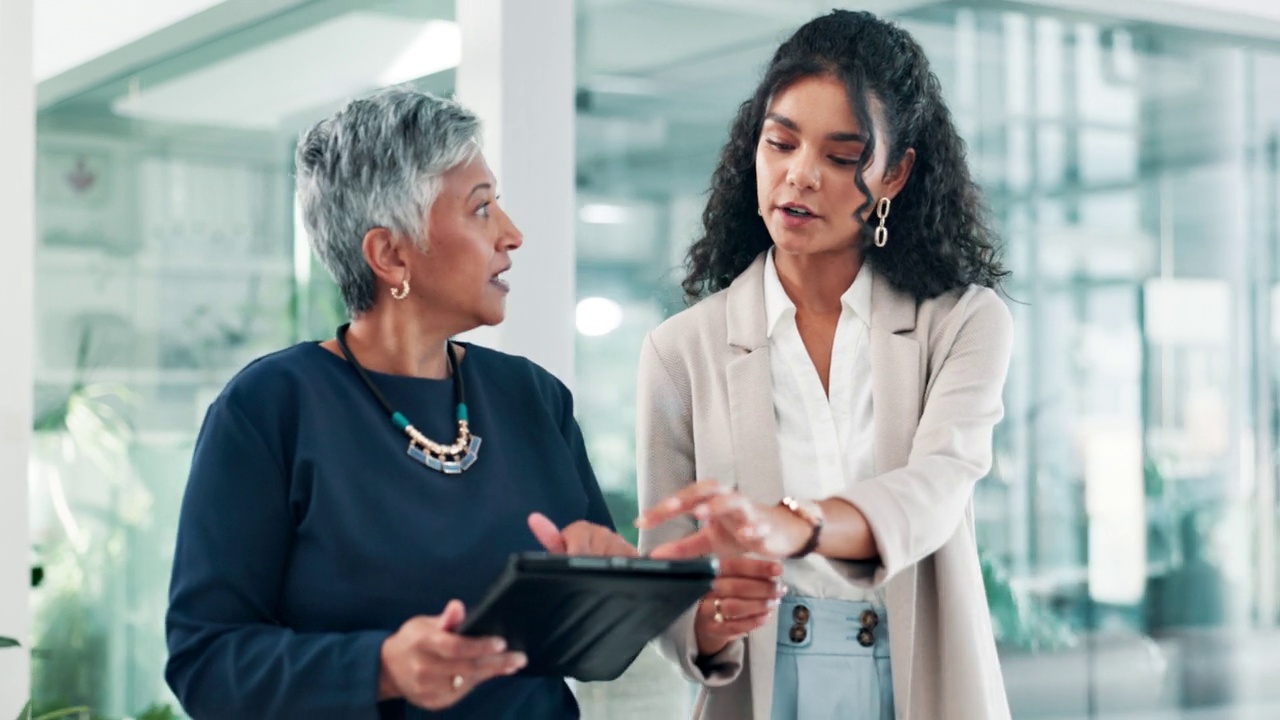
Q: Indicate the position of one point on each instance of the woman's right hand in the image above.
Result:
(742, 599)
(427, 663)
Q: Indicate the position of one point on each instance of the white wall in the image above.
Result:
(517, 74)
(72, 32)
(17, 208)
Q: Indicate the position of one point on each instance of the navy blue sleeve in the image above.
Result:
(229, 657)
(597, 509)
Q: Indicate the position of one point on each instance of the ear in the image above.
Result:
(385, 254)
(895, 178)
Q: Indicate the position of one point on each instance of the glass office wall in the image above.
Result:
(168, 257)
(1128, 527)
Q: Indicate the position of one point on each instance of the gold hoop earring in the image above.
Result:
(882, 212)
(401, 292)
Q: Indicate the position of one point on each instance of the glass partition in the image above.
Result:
(168, 256)
(1128, 528)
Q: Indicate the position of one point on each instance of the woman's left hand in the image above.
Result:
(579, 538)
(731, 524)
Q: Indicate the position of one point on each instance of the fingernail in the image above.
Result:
(774, 603)
(702, 512)
(498, 646)
(672, 504)
(519, 660)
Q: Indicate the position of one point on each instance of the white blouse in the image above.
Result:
(826, 441)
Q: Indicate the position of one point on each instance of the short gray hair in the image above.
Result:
(378, 162)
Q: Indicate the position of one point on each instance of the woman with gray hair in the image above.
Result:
(321, 570)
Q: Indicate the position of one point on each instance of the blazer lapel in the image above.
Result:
(896, 383)
(749, 381)
(754, 431)
(896, 375)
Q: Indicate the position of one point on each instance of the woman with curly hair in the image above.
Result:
(835, 390)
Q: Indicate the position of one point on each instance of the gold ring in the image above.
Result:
(457, 682)
(719, 614)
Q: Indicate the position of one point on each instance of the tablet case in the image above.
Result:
(586, 617)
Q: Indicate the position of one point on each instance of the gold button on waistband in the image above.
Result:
(798, 633)
(800, 614)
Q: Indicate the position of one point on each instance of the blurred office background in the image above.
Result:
(1132, 160)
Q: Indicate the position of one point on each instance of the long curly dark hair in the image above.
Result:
(941, 238)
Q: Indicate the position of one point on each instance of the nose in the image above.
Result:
(511, 237)
(803, 172)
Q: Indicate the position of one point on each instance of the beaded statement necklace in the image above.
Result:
(449, 459)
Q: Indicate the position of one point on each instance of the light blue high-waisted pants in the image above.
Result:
(833, 661)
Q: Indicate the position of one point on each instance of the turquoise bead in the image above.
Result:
(462, 412)
(400, 420)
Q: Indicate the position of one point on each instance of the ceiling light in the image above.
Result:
(602, 214)
(598, 316)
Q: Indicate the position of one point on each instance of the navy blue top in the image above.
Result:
(308, 535)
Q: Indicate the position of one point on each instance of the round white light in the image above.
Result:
(598, 316)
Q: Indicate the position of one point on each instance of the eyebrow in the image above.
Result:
(478, 188)
(791, 125)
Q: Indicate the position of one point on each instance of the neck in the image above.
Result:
(400, 342)
(815, 283)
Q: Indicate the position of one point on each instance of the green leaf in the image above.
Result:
(65, 712)
(158, 712)
(6, 642)
(26, 712)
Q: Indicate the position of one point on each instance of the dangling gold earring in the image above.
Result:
(882, 212)
(401, 292)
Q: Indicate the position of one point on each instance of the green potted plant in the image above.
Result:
(81, 466)
(8, 642)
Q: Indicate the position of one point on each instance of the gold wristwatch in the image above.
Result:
(810, 512)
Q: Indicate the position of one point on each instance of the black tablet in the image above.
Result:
(586, 617)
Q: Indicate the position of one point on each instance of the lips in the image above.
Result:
(498, 281)
(797, 210)
(795, 215)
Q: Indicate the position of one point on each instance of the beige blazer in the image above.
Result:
(705, 410)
